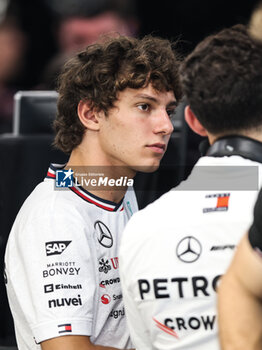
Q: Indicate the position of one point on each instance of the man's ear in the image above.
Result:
(193, 122)
(88, 116)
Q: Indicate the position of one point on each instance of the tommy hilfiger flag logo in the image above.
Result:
(219, 201)
(64, 328)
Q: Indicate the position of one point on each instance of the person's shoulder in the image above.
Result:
(151, 218)
(47, 203)
(46, 198)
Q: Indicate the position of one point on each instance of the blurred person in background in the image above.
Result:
(80, 23)
(255, 22)
(83, 24)
(13, 44)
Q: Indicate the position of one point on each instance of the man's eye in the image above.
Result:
(144, 107)
(171, 113)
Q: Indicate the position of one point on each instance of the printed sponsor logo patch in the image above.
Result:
(221, 204)
(105, 299)
(104, 236)
(109, 282)
(66, 271)
(165, 328)
(65, 302)
(117, 313)
(188, 249)
(64, 328)
(105, 265)
(56, 247)
(49, 288)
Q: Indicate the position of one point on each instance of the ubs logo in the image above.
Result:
(188, 249)
(104, 236)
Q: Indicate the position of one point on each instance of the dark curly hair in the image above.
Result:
(102, 70)
(222, 81)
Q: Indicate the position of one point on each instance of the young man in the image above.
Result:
(114, 108)
(240, 292)
(174, 251)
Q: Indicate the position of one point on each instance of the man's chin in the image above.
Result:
(147, 168)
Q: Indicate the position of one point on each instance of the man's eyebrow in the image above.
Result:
(148, 97)
(172, 103)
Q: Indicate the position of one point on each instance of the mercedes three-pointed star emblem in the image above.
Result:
(104, 236)
(188, 249)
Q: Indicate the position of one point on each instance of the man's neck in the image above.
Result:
(104, 180)
(255, 134)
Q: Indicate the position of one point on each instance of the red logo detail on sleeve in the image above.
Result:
(64, 328)
(105, 299)
(115, 263)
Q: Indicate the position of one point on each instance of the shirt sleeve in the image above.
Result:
(50, 275)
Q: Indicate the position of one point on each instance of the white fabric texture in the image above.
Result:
(173, 253)
(62, 271)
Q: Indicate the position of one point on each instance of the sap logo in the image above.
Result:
(65, 302)
(56, 247)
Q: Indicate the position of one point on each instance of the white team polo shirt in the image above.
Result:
(173, 253)
(62, 266)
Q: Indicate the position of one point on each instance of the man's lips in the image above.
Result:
(157, 147)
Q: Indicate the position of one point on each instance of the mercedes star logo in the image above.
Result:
(188, 249)
(104, 236)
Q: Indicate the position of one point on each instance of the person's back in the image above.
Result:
(174, 252)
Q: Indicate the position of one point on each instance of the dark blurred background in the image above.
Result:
(189, 20)
(37, 36)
